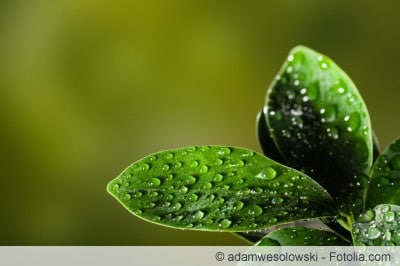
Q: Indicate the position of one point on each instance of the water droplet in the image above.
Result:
(191, 180)
(389, 216)
(178, 165)
(193, 197)
(323, 62)
(255, 210)
(268, 173)
(224, 224)
(145, 166)
(366, 217)
(154, 182)
(152, 158)
(218, 162)
(224, 151)
(153, 194)
(137, 194)
(238, 205)
(340, 87)
(387, 236)
(198, 215)
(165, 167)
(277, 200)
(127, 196)
(207, 185)
(176, 206)
(218, 178)
(115, 187)
(203, 169)
(373, 233)
(194, 164)
(395, 162)
(169, 156)
(288, 193)
(169, 197)
(183, 190)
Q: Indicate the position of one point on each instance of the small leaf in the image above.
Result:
(319, 121)
(384, 184)
(379, 227)
(218, 188)
(301, 236)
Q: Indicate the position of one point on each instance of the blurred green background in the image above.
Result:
(88, 87)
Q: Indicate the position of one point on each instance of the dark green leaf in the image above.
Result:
(380, 227)
(384, 184)
(319, 121)
(218, 188)
(264, 138)
(301, 236)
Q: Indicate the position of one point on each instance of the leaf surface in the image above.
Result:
(319, 122)
(218, 188)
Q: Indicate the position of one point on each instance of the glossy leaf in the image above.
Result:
(218, 188)
(384, 184)
(378, 227)
(267, 144)
(319, 121)
(301, 236)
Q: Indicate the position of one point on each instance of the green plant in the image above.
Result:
(316, 131)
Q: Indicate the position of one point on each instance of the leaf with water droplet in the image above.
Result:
(382, 230)
(301, 236)
(330, 137)
(202, 195)
(384, 183)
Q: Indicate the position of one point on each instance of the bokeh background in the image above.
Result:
(88, 87)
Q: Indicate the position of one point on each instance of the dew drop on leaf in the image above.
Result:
(268, 173)
(198, 215)
(193, 197)
(373, 233)
(207, 185)
(277, 200)
(225, 223)
(154, 182)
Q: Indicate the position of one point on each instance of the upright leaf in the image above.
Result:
(384, 184)
(218, 188)
(319, 121)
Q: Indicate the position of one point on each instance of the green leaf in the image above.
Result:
(319, 121)
(301, 236)
(218, 188)
(384, 184)
(266, 142)
(380, 227)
